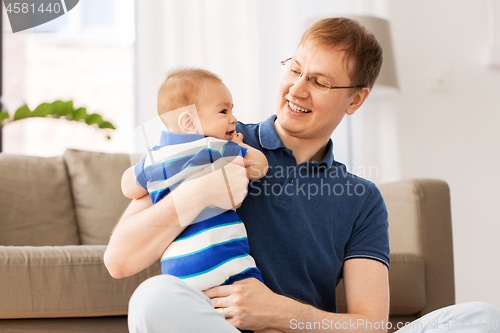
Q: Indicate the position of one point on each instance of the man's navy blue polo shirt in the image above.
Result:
(303, 221)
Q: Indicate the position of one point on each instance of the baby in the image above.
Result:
(196, 107)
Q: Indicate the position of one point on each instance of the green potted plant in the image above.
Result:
(57, 109)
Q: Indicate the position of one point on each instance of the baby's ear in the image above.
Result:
(186, 123)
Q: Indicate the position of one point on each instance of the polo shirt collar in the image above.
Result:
(269, 139)
(329, 160)
(169, 138)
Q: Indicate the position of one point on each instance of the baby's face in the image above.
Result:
(215, 111)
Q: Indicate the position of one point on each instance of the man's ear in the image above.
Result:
(358, 99)
(186, 123)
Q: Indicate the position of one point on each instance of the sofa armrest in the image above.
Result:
(421, 274)
(62, 281)
(420, 224)
(437, 243)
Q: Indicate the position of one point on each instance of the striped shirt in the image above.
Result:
(214, 250)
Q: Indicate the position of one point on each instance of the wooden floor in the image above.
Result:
(65, 325)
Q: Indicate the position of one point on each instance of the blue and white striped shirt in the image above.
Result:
(214, 250)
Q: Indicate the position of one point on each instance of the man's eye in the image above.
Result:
(295, 71)
(322, 83)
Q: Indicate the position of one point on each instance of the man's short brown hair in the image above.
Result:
(182, 87)
(359, 45)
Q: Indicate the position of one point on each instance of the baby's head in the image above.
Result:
(196, 101)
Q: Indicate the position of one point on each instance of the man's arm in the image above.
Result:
(141, 236)
(251, 305)
(366, 284)
(146, 230)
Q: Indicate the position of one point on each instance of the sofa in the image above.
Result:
(421, 274)
(57, 213)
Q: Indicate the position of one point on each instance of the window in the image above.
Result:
(86, 56)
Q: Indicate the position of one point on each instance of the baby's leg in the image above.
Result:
(269, 330)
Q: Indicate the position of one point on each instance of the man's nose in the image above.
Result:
(300, 88)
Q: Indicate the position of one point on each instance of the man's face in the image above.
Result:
(323, 112)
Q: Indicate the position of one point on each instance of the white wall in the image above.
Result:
(452, 133)
(242, 41)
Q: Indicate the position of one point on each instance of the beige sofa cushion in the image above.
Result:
(62, 281)
(420, 224)
(403, 206)
(99, 202)
(407, 283)
(35, 202)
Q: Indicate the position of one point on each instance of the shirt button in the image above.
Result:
(285, 153)
(290, 181)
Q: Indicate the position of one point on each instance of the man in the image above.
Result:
(309, 222)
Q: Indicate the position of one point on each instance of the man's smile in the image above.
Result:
(297, 108)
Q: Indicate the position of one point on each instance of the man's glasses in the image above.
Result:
(289, 67)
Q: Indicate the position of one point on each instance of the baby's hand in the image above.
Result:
(237, 138)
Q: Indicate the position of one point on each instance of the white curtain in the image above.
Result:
(242, 41)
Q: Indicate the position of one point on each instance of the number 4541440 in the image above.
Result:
(22, 7)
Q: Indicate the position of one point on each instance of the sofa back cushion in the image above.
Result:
(95, 182)
(403, 201)
(36, 207)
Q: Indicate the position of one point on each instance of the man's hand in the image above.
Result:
(248, 304)
(221, 186)
(228, 182)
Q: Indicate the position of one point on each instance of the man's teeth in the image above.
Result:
(298, 108)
